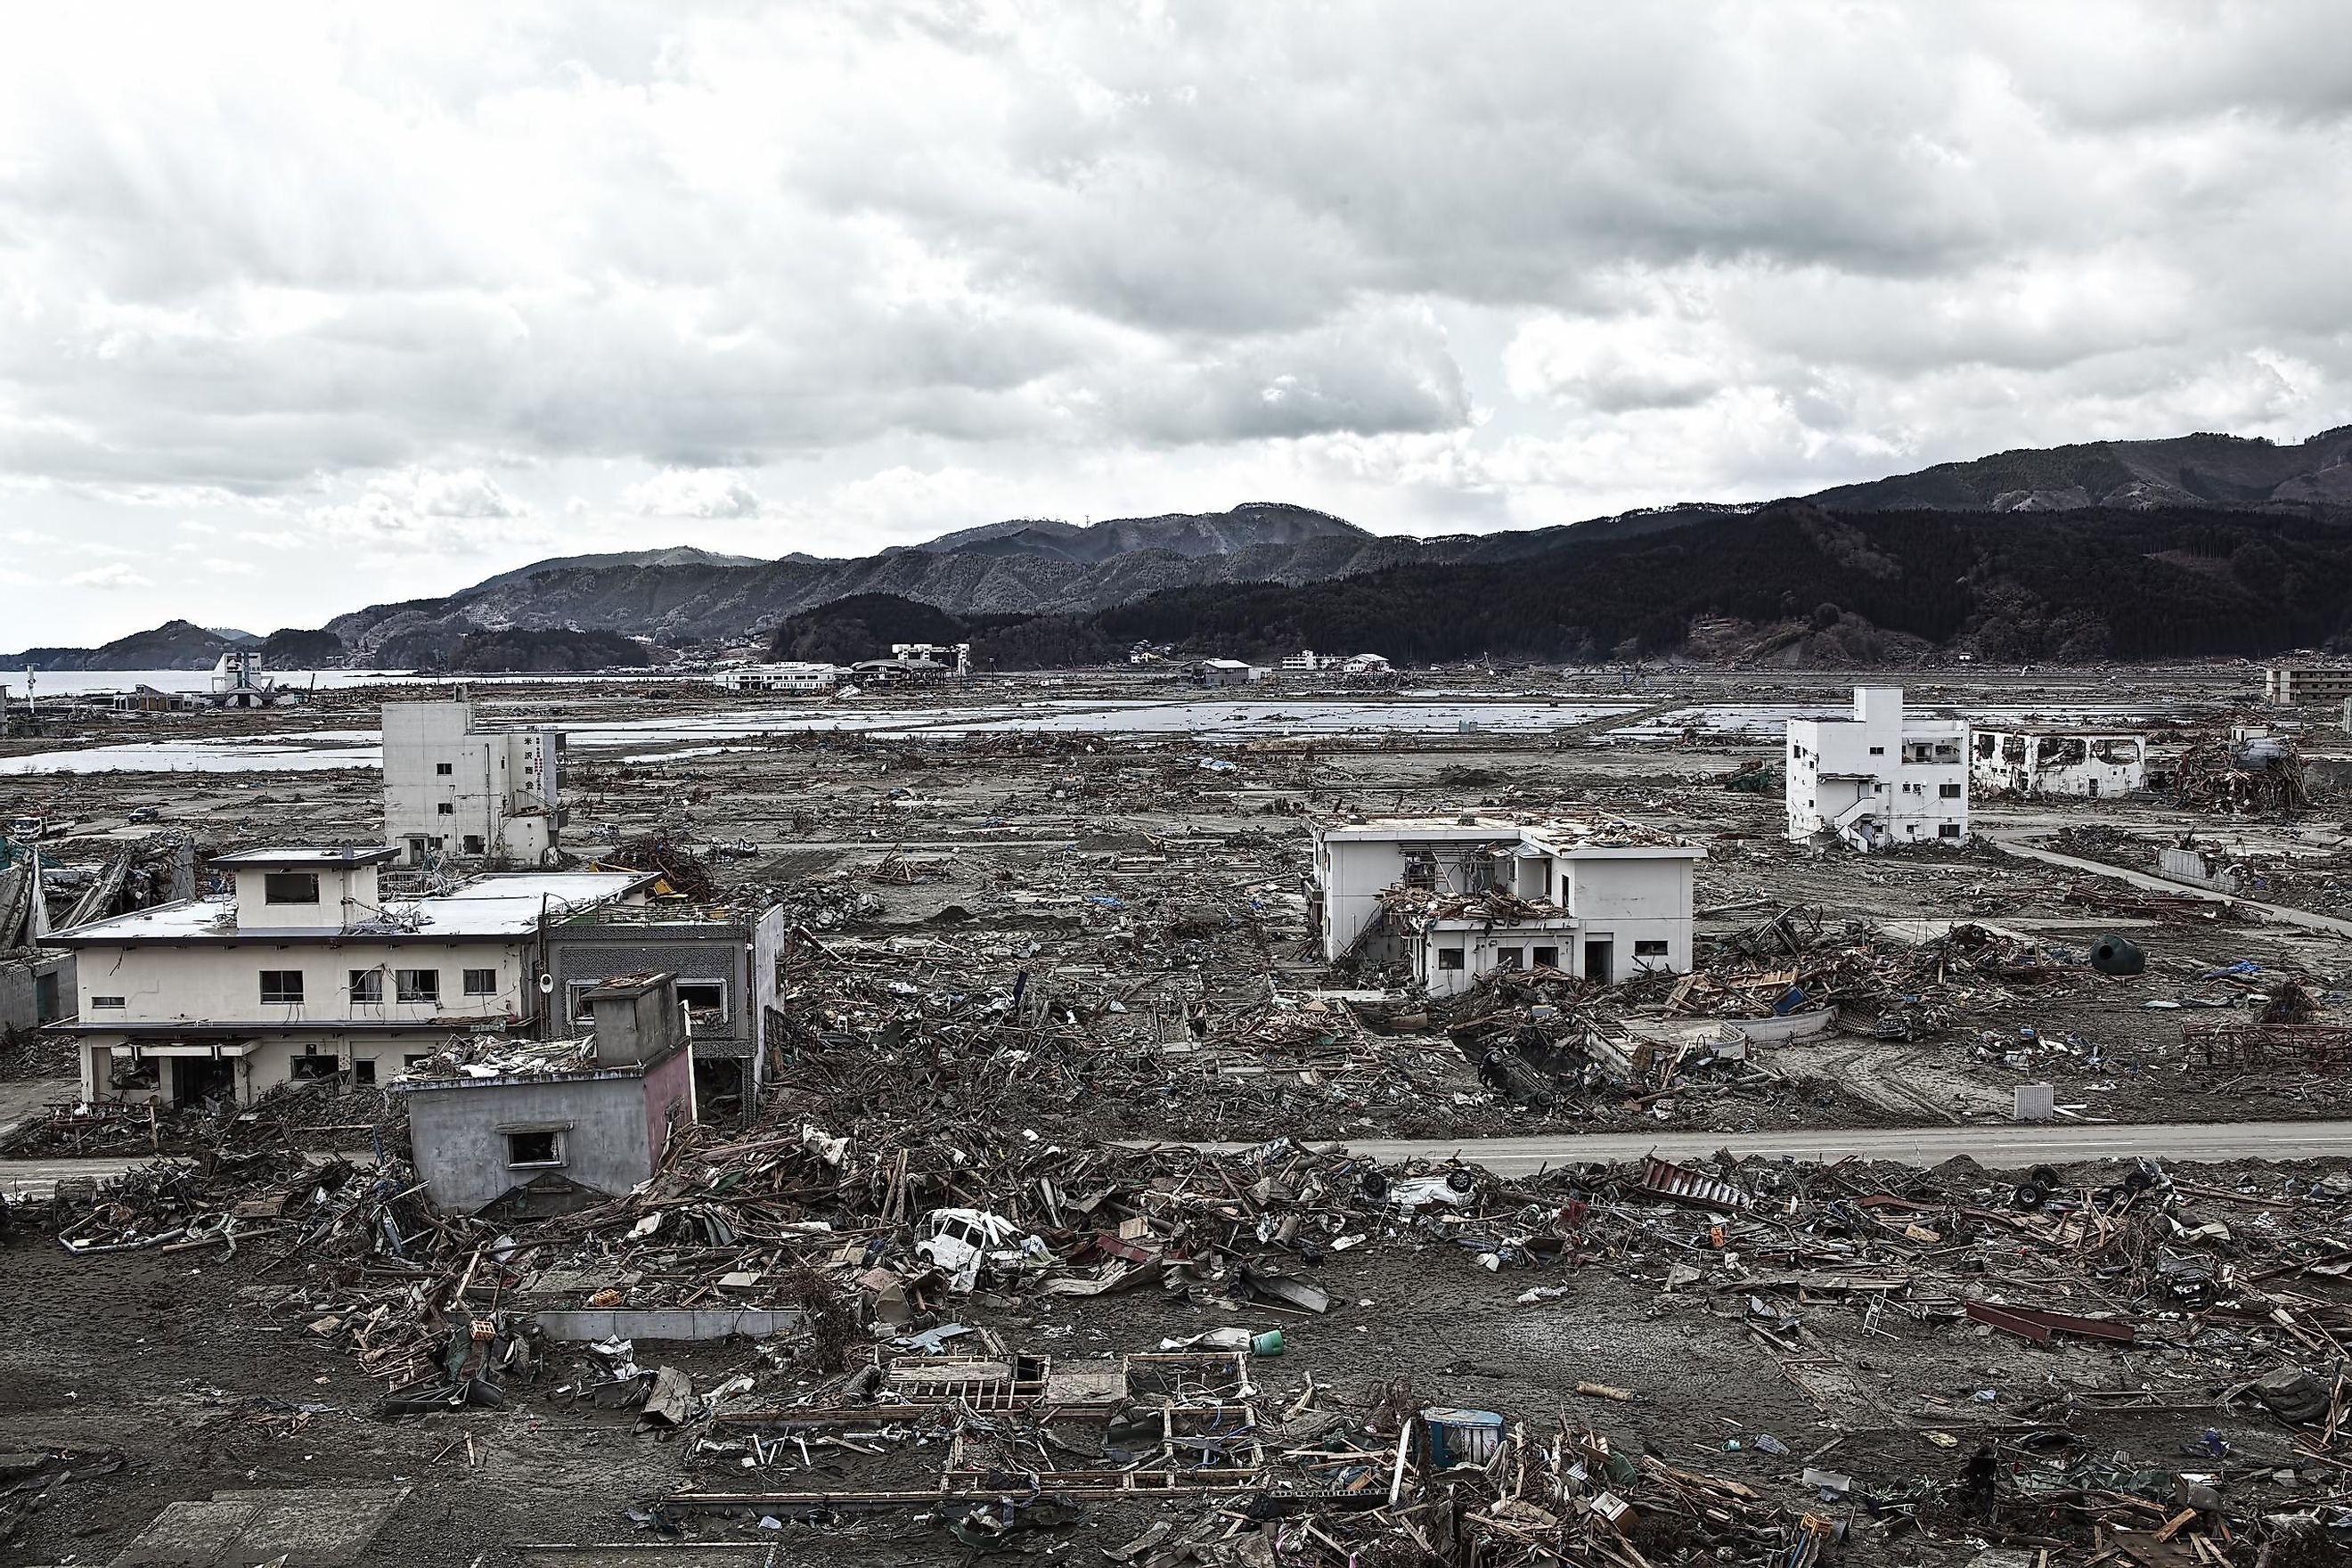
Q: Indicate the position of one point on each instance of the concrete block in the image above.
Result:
(672, 1323)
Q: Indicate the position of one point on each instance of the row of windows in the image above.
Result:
(286, 987)
(1542, 957)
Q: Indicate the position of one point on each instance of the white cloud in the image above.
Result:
(114, 574)
(843, 272)
(692, 492)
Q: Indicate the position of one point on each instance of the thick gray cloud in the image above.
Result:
(279, 285)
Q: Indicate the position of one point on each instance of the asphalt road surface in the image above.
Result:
(1998, 1146)
(2013, 841)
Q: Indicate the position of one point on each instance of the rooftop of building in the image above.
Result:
(480, 1061)
(489, 907)
(2064, 731)
(1429, 907)
(1551, 835)
(306, 857)
(660, 911)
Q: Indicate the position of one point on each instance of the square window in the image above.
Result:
(281, 986)
(1449, 958)
(539, 1146)
(310, 1068)
(443, 770)
(1507, 957)
(362, 1070)
(418, 985)
(577, 991)
(289, 888)
(1948, 791)
(367, 986)
(704, 996)
(1948, 830)
(481, 983)
(1546, 958)
(473, 844)
(446, 808)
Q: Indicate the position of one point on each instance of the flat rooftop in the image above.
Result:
(352, 855)
(488, 908)
(1564, 835)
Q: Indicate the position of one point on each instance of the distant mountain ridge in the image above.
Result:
(1017, 567)
(2203, 469)
(1033, 566)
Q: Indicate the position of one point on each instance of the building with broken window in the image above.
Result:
(548, 1126)
(723, 961)
(1456, 898)
(306, 971)
(2031, 762)
(1879, 778)
(453, 790)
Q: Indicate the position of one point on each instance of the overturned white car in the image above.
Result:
(963, 1244)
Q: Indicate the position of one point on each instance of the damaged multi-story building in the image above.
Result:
(37, 977)
(1879, 778)
(1456, 898)
(548, 1126)
(722, 961)
(307, 970)
(454, 790)
(2027, 761)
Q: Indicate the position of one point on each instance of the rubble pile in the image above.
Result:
(2254, 774)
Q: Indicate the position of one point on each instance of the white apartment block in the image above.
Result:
(305, 972)
(1610, 898)
(1878, 778)
(2307, 685)
(453, 790)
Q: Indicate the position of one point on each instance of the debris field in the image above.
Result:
(1047, 1239)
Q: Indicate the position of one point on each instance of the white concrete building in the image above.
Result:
(1878, 778)
(454, 790)
(793, 679)
(238, 682)
(2029, 762)
(2307, 685)
(1610, 898)
(305, 971)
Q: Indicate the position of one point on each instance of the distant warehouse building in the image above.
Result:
(793, 679)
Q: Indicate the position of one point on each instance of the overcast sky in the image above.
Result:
(307, 308)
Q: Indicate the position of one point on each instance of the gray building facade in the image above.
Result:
(724, 961)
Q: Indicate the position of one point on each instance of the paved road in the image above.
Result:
(24, 1099)
(2000, 1146)
(37, 1179)
(2013, 842)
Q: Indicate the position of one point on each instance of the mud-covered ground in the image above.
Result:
(186, 1369)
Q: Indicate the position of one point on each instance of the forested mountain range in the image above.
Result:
(2201, 543)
